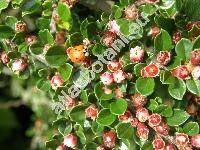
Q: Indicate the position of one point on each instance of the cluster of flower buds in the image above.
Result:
(70, 141)
(109, 38)
(131, 12)
(56, 81)
(152, 70)
(91, 112)
(136, 54)
(109, 139)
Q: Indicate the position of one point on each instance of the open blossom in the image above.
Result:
(142, 114)
(181, 72)
(154, 119)
(158, 144)
(70, 141)
(20, 26)
(195, 57)
(196, 72)
(151, 70)
(182, 139)
(91, 112)
(163, 57)
(109, 139)
(162, 129)
(107, 78)
(113, 26)
(119, 76)
(134, 122)
(131, 12)
(138, 100)
(56, 81)
(125, 117)
(19, 65)
(114, 66)
(142, 131)
(195, 140)
(136, 54)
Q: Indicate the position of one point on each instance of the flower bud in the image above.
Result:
(154, 31)
(131, 12)
(60, 37)
(70, 141)
(19, 65)
(20, 26)
(192, 109)
(151, 70)
(170, 147)
(195, 140)
(154, 120)
(56, 81)
(125, 117)
(158, 144)
(109, 139)
(113, 26)
(196, 72)
(195, 57)
(70, 103)
(31, 39)
(107, 90)
(134, 122)
(4, 58)
(107, 78)
(182, 139)
(118, 93)
(181, 72)
(136, 54)
(176, 36)
(163, 57)
(162, 129)
(100, 148)
(142, 114)
(138, 100)
(114, 66)
(142, 131)
(91, 112)
(109, 38)
(119, 76)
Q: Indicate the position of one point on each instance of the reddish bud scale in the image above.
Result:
(142, 114)
(176, 36)
(155, 31)
(181, 72)
(138, 100)
(195, 140)
(195, 57)
(114, 66)
(162, 129)
(125, 117)
(19, 65)
(131, 12)
(158, 144)
(182, 139)
(109, 139)
(107, 78)
(196, 72)
(163, 57)
(70, 141)
(109, 38)
(56, 81)
(119, 76)
(134, 122)
(154, 120)
(136, 54)
(151, 70)
(31, 39)
(91, 112)
(142, 131)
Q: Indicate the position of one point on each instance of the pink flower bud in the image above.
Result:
(196, 72)
(158, 144)
(162, 129)
(138, 100)
(170, 147)
(109, 38)
(163, 57)
(181, 72)
(182, 139)
(119, 76)
(5, 58)
(56, 81)
(118, 93)
(113, 26)
(142, 131)
(70, 103)
(134, 122)
(136, 54)
(70, 141)
(31, 39)
(176, 36)
(154, 120)
(109, 139)
(195, 140)
(114, 66)
(142, 114)
(154, 31)
(91, 112)
(131, 12)
(125, 117)
(151, 70)
(19, 65)
(195, 57)
(107, 78)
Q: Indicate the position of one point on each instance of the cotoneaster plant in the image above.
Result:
(147, 93)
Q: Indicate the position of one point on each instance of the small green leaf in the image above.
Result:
(197, 43)
(178, 118)
(5, 32)
(178, 89)
(36, 48)
(10, 21)
(166, 77)
(30, 6)
(137, 69)
(3, 5)
(148, 9)
(46, 37)
(152, 105)
(183, 49)
(64, 12)
(118, 107)
(191, 128)
(163, 41)
(145, 86)
(125, 131)
(77, 114)
(65, 71)
(147, 146)
(164, 110)
(105, 117)
(193, 86)
(44, 85)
